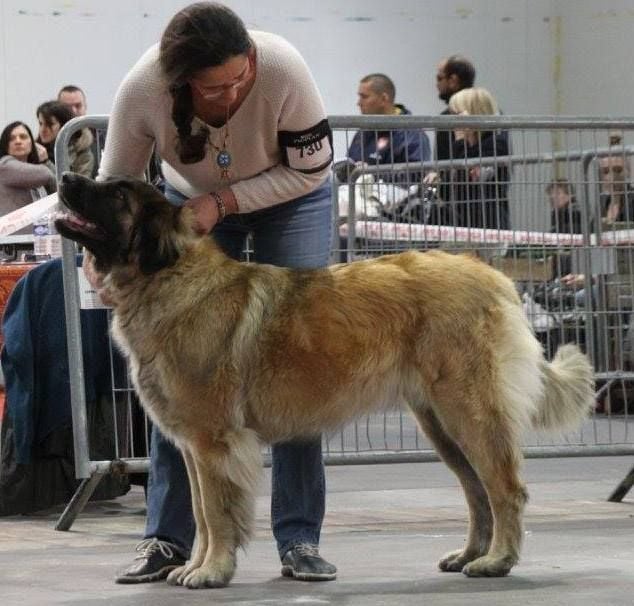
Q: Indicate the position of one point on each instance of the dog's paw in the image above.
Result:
(455, 561)
(207, 576)
(177, 575)
(489, 566)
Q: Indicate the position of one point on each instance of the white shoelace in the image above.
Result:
(148, 546)
(306, 549)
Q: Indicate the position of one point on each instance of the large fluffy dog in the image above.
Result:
(226, 354)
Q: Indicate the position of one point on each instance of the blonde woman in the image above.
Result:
(477, 194)
(480, 191)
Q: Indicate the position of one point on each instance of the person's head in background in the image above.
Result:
(473, 102)
(376, 94)
(561, 193)
(17, 140)
(614, 173)
(74, 97)
(614, 170)
(51, 116)
(454, 73)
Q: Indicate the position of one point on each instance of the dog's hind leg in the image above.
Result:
(480, 517)
(227, 470)
(177, 576)
(488, 440)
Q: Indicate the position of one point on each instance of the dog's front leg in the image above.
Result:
(226, 471)
(199, 550)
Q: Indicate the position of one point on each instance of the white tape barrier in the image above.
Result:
(17, 219)
(406, 232)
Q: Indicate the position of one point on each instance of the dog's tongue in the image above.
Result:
(74, 219)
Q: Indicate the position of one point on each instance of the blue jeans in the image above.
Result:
(293, 234)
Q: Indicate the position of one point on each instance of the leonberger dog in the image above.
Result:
(226, 355)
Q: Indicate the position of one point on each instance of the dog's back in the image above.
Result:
(416, 327)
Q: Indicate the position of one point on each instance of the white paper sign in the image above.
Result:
(88, 297)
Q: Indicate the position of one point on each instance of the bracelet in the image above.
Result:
(220, 203)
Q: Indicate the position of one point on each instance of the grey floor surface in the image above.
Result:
(385, 529)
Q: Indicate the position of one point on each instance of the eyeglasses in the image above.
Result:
(617, 170)
(213, 92)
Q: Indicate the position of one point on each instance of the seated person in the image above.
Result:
(453, 74)
(376, 97)
(616, 199)
(478, 194)
(75, 98)
(51, 116)
(616, 203)
(37, 466)
(565, 216)
(25, 175)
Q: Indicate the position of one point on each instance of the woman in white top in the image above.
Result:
(242, 132)
(25, 175)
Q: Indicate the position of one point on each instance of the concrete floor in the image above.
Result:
(385, 529)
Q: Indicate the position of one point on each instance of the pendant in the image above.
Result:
(223, 159)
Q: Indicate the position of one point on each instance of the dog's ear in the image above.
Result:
(155, 243)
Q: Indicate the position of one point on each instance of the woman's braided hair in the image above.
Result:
(202, 35)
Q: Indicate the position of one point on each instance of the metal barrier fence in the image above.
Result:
(384, 208)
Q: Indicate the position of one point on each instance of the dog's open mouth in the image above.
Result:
(78, 224)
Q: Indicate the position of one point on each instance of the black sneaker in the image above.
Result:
(155, 561)
(303, 562)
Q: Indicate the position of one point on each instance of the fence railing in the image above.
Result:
(528, 250)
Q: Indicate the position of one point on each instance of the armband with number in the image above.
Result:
(307, 151)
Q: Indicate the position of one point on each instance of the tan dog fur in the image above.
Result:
(225, 355)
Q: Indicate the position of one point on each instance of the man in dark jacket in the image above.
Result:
(454, 73)
(376, 97)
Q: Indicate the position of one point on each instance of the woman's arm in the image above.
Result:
(130, 140)
(23, 175)
(304, 138)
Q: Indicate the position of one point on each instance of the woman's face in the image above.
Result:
(559, 198)
(48, 129)
(222, 84)
(20, 143)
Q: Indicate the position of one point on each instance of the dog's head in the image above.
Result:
(121, 221)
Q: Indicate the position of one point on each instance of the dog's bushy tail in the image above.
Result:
(568, 391)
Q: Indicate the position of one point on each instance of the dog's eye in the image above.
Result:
(119, 194)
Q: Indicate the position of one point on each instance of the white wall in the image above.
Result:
(515, 44)
(92, 43)
(597, 51)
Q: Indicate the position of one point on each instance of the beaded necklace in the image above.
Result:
(223, 157)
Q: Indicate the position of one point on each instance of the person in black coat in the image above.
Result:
(479, 193)
(565, 218)
(454, 73)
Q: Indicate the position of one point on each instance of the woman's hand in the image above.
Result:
(42, 154)
(431, 178)
(573, 280)
(207, 211)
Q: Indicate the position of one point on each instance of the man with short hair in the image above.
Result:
(454, 73)
(376, 97)
(74, 98)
